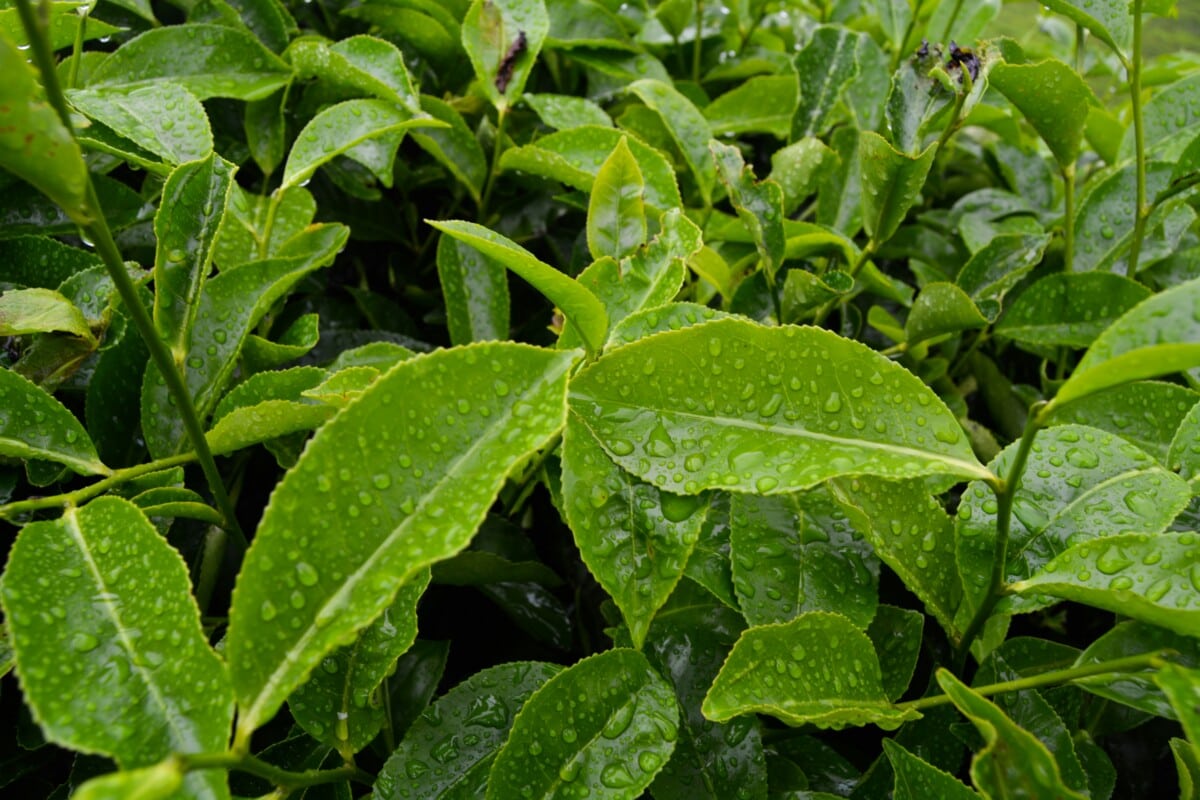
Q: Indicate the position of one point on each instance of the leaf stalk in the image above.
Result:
(286, 781)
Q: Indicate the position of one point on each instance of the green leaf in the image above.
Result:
(111, 661)
(962, 22)
(1170, 125)
(29, 125)
(477, 714)
(709, 563)
(1070, 309)
(1147, 414)
(63, 24)
(1182, 686)
(158, 782)
(896, 634)
(358, 64)
(1158, 336)
(25, 311)
(207, 60)
(1079, 484)
(1135, 689)
(1013, 762)
(191, 211)
(803, 292)
(164, 118)
(261, 353)
(818, 669)
(1001, 264)
(826, 64)
(475, 289)
(1103, 226)
(892, 183)
(763, 104)
(455, 147)
(1187, 765)
(796, 553)
(939, 309)
(38, 426)
(503, 38)
(687, 126)
(910, 532)
(574, 157)
(608, 724)
(1107, 20)
(230, 305)
(1146, 576)
(712, 761)
(732, 405)
(364, 130)
(340, 703)
(918, 780)
(563, 111)
(799, 169)
(581, 307)
(390, 514)
(1055, 100)
(759, 205)
(266, 406)
(1184, 453)
(616, 219)
(244, 229)
(634, 538)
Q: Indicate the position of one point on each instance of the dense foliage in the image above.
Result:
(838, 435)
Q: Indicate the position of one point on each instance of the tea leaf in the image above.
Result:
(1001, 264)
(359, 63)
(741, 423)
(563, 111)
(38, 426)
(581, 307)
(1135, 689)
(608, 723)
(759, 205)
(113, 662)
(818, 669)
(826, 64)
(1182, 686)
(478, 714)
(1147, 414)
(939, 309)
(207, 60)
(1053, 98)
(24, 311)
(1070, 309)
(503, 38)
(892, 183)
(634, 538)
(1146, 576)
(687, 127)
(396, 513)
(616, 221)
(158, 782)
(164, 118)
(896, 634)
(1102, 228)
(917, 779)
(455, 147)
(763, 104)
(475, 288)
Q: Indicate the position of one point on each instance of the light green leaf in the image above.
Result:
(1170, 122)
(1070, 308)
(759, 205)
(581, 307)
(158, 782)
(475, 289)
(732, 405)
(687, 126)
(230, 305)
(359, 64)
(910, 532)
(616, 219)
(111, 662)
(916, 103)
(608, 723)
(186, 224)
(503, 39)
(340, 703)
(563, 111)
(455, 147)
(1001, 264)
(1184, 453)
(244, 228)
(1079, 483)
(763, 104)
(894, 18)
(574, 157)
(892, 183)
(1053, 98)
(261, 353)
(799, 169)
(796, 553)
(919, 780)
(29, 125)
(1159, 336)
(1136, 689)
(24, 311)
(634, 538)
(1151, 577)
(38, 426)
(164, 118)
(478, 714)
(939, 309)
(1187, 765)
(818, 669)
(1147, 414)
(207, 60)
(1182, 686)
(1108, 20)
(64, 23)
(803, 292)
(669, 317)
(962, 22)
(401, 500)
(1013, 762)
(368, 131)
(826, 64)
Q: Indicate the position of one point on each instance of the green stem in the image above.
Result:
(77, 52)
(1142, 209)
(953, 17)
(98, 232)
(493, 168)
(863, 257)
(1006, 491)
(286, 780)
(1068, 175)
(264, 244)
(1117, 665)
(1080, 38)
(698, 42)
(85, 493)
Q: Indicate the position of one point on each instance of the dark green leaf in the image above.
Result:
(1070, 308)
(38, 426)
(164, 118)
(897, 635)
(687, 126)
(920, 780)
(475, 289)
(1000, 265)
(1147, 414)
(455, 147)
(826, 64)
(563, 111)
(892, 183)
(1136, 689)
(1053, 97)
(758, 205)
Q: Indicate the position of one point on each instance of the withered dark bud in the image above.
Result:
(505, 70)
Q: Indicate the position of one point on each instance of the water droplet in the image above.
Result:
(616, 775)
(84, 642)
(306, 573)
(267, 611)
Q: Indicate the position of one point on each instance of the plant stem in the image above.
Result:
(78, 496)
(286, 780)
(1006, 491)
(98, 232)
(1127, 664)
(1068, 175)
(77, 52)
(953, 17)
(698, 42)
(1142, 209)
(497, 149)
